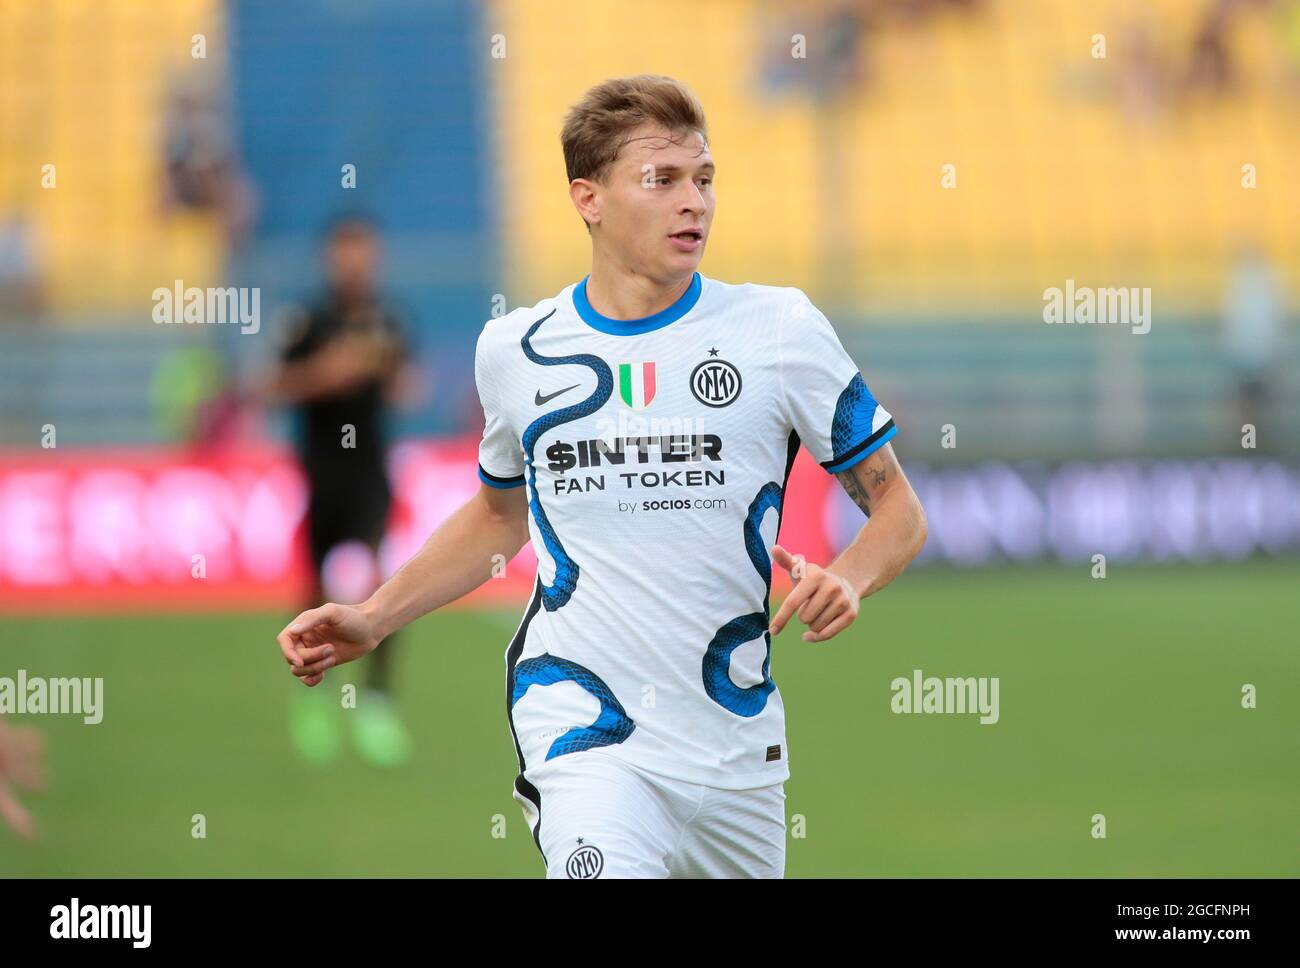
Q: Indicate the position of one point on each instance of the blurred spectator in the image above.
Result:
(22, 292)
(1212, 67)
(196, 403)
(834, 62)
(202, 171)
(1254, 315)
(1145, 75)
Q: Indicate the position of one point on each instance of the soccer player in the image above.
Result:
(342, 363)
(640, 428)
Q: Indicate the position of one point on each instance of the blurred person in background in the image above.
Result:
(22, 766)
(1253, 319)
(22, 291)
(1145, 82)
(201, 170)
(342, 363)
(196, 403)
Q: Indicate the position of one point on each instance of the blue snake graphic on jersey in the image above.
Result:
(751, 700)
(566, 569)
(613, 725)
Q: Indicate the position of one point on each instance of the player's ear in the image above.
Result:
(585, 200)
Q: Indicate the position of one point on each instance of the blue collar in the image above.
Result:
(634, 327)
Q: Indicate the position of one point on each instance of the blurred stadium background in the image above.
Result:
(1113, 144)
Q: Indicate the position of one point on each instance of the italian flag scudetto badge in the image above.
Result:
(636, 384)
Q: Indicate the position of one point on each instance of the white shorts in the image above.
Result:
(599, 816)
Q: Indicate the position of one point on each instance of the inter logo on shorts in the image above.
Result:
(715, 383)
(636, 384)
(585, 863)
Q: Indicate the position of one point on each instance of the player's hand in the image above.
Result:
(825, 601)
(22, 765)
(361, 355)
(344, 363)
(321, 638)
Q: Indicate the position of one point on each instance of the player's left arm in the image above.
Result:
(827, 599)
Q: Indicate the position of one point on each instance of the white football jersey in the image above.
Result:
(655, 454)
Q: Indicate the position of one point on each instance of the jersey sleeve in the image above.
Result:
(826, 400)
(500, 454)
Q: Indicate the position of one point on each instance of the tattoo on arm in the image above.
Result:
(865, 481)
(855, 491)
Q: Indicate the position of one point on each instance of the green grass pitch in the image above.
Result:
(1119, 696)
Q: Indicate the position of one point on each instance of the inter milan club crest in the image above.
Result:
(636, 384)
(585, 863)
(715, 382)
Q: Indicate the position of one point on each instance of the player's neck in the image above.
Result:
(618, 293)
(351, 297)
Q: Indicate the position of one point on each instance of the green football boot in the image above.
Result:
(314, 725)
(377, 730)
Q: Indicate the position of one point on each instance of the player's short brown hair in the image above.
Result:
(596, 128)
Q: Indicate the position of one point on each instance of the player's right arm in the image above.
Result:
(460, 555)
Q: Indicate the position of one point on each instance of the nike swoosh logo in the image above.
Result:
(539, 399)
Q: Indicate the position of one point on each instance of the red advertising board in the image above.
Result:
(115, 529)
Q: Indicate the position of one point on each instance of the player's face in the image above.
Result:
(657, 203)
(353, 262)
